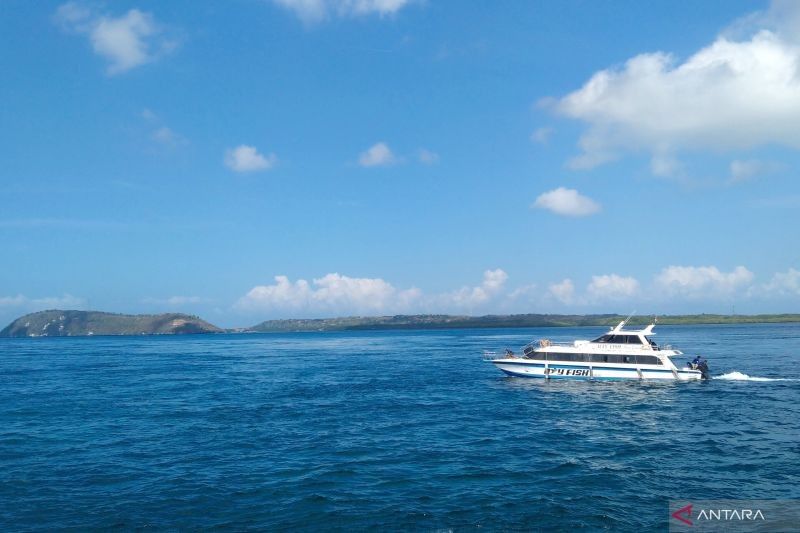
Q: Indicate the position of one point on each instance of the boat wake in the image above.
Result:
(738, 376)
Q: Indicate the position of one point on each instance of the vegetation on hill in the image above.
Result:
(500, 321)
(55, 323)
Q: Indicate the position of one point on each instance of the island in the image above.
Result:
(501, 321)
(57, 323)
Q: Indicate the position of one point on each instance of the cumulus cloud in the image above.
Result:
(312, 11)
(246, 158)
(735, 93)
(563, 291)
(701, 282)
(567, 202)
(524, 292)
(332, 292)
(784, 284)
(336, 293)
(469, 297)
(378, 155)
(126, 42)
(612, 287)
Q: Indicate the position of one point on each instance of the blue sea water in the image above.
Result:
(388, 430)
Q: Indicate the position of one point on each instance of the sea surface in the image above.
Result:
(383, 430)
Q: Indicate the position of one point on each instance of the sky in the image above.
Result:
(259, 159)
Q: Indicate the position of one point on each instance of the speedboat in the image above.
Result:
(619, 354)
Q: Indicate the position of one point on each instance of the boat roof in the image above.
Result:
(619, 331)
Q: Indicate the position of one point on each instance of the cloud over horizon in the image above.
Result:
(337, 293)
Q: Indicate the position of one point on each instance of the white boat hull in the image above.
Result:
(573, 370)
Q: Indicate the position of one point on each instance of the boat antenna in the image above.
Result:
(625, 322)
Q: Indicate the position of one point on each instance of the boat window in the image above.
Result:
(527, 350)
(604, 338)
(649, 360)
(634, 339)
(597, 358)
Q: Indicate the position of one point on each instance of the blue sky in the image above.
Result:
(287, 158)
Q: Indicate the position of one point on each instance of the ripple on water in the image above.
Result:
(399, 430)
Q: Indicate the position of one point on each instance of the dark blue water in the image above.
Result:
(397, 430)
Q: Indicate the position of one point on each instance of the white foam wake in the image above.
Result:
(738, 376)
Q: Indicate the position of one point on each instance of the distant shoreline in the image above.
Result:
(443, 322)
(58, 323)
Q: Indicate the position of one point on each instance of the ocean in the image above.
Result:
(403, 430)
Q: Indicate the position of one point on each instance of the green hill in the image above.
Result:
(55, 323)
(501, 321)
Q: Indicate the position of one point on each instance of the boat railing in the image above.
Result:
(490, 355)
(545, 343)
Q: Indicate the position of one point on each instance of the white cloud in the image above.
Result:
(664, 165)
(377, 155)
(524, 291)
(469, 297)
(67, 301)
(160, 133)
(338, 294)
(245, 158)
(312, 11)
(568, 202)
(702, 282)
(784, 283)
(127, 41)
(612, 287)
(541, 135)
(563, 291)
(744, 170)
(732, 94)
(332, 292)
(167, 137)
(427, 157)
